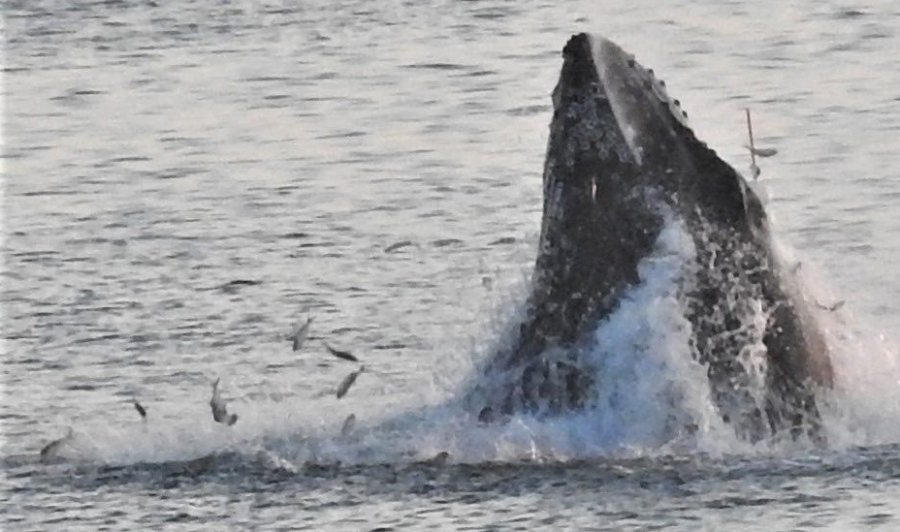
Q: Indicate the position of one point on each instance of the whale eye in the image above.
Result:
(631, 62)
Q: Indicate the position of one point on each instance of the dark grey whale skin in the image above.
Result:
(605, 196)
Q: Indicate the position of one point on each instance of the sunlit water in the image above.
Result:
(155, 152)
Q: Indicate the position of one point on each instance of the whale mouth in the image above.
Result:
(597, 175)
(621, 167)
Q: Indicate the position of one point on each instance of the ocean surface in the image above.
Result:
(184, 182)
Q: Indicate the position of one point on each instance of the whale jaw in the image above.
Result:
(621, 163)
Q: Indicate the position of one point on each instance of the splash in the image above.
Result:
(863, 408)
(652, 396)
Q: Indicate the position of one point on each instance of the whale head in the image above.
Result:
(621, 165)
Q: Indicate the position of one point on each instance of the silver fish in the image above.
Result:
(142, 410)
(344, 355)
(51, 450)
(349, 424)
(348, 381)
(397, 245)
(762, 152)
(831, 308)
(219, 410)
(300, 333)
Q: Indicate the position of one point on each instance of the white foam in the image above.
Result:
(863, 409)
(652, 397)
(650, 388)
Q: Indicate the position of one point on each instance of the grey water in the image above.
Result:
(185, 182)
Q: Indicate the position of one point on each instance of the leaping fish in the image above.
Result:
(754, 151)
(398, 245)
(344, 355)
(142, 410)
(833, 307)
(348, 381)
(219, 410)
(349, 424)
(298, 336)
(762, 152)
(51, 450)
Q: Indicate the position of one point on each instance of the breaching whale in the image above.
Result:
(621, 161)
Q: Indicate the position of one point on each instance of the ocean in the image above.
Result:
(185, 182)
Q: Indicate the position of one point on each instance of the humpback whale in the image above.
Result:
(621, 163)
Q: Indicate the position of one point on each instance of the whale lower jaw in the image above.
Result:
(620, 162)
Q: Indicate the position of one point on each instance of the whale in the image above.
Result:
(622, 162)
